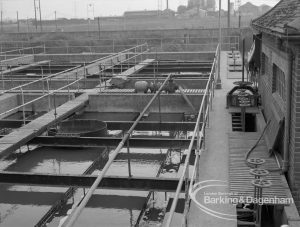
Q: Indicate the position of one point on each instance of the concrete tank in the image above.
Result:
(83, 128)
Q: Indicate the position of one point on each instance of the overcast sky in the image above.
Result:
(80, 8)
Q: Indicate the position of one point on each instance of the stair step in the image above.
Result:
(245, 223)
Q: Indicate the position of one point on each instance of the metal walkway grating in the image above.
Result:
(239, 176)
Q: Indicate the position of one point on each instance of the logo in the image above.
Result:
(213, 198)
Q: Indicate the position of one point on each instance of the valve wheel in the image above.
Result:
(261, 183)
(256, 161)
(259, 172)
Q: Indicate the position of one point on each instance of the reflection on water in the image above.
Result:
(108, 207)
(24, 205)
(120, 207)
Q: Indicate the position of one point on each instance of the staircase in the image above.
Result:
(236, 122)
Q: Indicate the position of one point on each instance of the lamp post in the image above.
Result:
(218, 83)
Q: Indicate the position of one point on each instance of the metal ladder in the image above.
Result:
(236, 122)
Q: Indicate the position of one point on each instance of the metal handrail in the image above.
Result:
(74, 68)
(38, 80)
(22, 49)
(59, 89)
(200, 135)
(133, 39)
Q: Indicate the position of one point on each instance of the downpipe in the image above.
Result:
(285, 162)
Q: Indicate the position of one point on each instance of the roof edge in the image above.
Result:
(273, 8)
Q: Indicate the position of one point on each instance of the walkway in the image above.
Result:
(214, 160)
(21, 136)
(223, 159)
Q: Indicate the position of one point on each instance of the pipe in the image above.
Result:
(77, 211)
(243, 62)
(219, 83)
(187, 99)
(285, 162)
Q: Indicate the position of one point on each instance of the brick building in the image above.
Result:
(277, 41)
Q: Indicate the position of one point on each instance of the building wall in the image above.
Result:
(274, 107)
(294, 151)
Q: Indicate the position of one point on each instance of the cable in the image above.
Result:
(255, 145)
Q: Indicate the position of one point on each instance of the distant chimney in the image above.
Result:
(167, 4)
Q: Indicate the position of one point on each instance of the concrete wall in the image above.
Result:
(88, 57)
(53, 84)
(16, 61)
(184, 83)
(7, 102)
(64, 58)
(170, 103)
(196, 56)
(114, 41)
(43, 103)
(142, 34)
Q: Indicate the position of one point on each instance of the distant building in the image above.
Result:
(148, 13)
(264, 8)
(194, 12)
(277, 47)
(208, 5)
(248, 9)
(142, 13)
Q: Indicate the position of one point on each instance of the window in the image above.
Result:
(278, 81)
(264, 64)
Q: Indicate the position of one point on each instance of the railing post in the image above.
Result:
(76, 76)
(203, 127)
(54, 102)
(49, 97)
(141, 53)
(100, 77)
(186, 193)
(198, 154)
(207, 104)
(127, 59)
(23, 107)
(112, 66)
(134, 57)
(2, 77)
(211, 94)
(68, 78)
(42, 79)
(84, 75)
(128, 153)
(10, 74)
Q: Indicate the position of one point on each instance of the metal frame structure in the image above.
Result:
(22, 51)
(197, 142)
(135, 56)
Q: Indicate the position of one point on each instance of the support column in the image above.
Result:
(219, 83)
